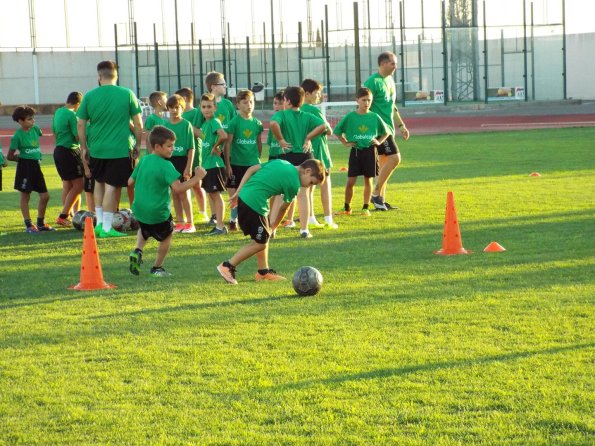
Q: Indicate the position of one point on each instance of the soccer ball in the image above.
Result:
(134, 224)
(307, 281)
(121, 221)
(78, 220)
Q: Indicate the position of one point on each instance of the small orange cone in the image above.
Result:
(91, 274)
(535, 174)
(494, 247)
(451, 239)
(343, 169)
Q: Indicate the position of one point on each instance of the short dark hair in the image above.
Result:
(155, 96)
(23, 112)
(174, 100)
(383, 57)
(107, 69)
(207, 97)
(317, 168)
(280, 95)
(244, 94)
(295, 96)
(159, 135)
(75, 97)
(363, 92)
(186, 93)
(311, 85)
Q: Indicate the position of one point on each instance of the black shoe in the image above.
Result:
(233, 226)
(158, 271)
(378, 203)
(391, 208)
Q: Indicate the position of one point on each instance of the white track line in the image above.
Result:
(528, 124)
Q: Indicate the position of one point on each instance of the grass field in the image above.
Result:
(401, 347)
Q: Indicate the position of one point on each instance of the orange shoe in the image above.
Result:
(63, 222)
(343, 212)
(228, 273)
(179, 227)
(288, 224)
(270, 275)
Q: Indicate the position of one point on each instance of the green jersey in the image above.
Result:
(224, 112)
(361, 128)
(194, 117)
(108, 109)
(384, 94)
(274, 147)
(153, 176)
(295, 126)
(153, 120)
(64, 128)
(209, 137)
(184, 137)
(273, 178)
(27, 143)
(2, 160)
(244, 145)
(320, 148)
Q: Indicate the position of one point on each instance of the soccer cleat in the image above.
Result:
(366, 213)
(233, 226)
(45, 228)
(305, 234)
(270, 275)
(217, 231)
(212, 221)
(228, 273)
(189, 228)
(63, 222)
(288, 224)
(331, 226)
(378, 203)
(112, 233)
(98, 229)
(158, 271)
(179, 227)
(391, 208)
(136, 260)
(31, 229)
(343, 212)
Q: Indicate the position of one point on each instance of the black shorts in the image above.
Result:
(388, 147)
(273, 157)
(29, 177)
(179, 163)
(253, 224)
(112, 171)
(296, 158)
(68, 163)
(159, 231)
(238, 173)
(89, 185)
(214, 180)
(363, 162)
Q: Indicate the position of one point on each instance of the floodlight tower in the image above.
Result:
(464, 58)
(223, 19)
(309, 13)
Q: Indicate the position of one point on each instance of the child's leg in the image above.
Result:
(76, 205)
(76, 187)
(303, 208)
(262, 258)
(349, 186)
(66, 186)
(140, 240)
(90, 199)
(178, 209)
(219, 208)
(25, 196)
(130, 191)
(201, 198)
(247, 251)
(367, 190)
(311, 201)
(290, 210)
(187, 206)
(44, 198)
(233, 212)
(327, 201)
(162, 251)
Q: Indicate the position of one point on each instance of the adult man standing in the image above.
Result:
(384, 91)
(107, 149)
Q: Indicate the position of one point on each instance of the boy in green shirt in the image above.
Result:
(260, 183)
(361, 130)
(213, 138)
(158, 100)
(320, 150)
(243, 146)
(29, 177)
(152, 179)
(295, 129)
(182, 159)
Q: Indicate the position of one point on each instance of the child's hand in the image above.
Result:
(374, 142)
(233, 200)
(186, 173)
(349, 144)
(404, 132)
(285, 146)
(200, 172)
(307, 147)
(228, 171)
(87, 171)
(216, 151)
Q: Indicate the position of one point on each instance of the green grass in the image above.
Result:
(400, 347)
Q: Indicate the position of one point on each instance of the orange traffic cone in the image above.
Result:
(91, 274)
(535, 174)
(343, 169)
(451, 239)
(494, 247)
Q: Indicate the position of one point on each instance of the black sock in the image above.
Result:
(366, 206)
(228, 265)
(262, 272)
(40, 221)
(28, 223)
(347, 207)
(63, 216)
(138, 250)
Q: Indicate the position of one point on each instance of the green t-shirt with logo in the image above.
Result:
(273, 178)
(153, 177)
(384, 93)
(361, 128)
(224, 112)
(320, 148)
(27, 143)
(274, 147)
(194, 117)
(153, 120)
(64, 128)
(295, 126)
(184, 137)
(108, 109)
(244, 147)
(209, 137)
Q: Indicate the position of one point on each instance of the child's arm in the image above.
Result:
(12, 155)
(188, 168)
(313, 134)
(137, 124)
(221, 137)
(276, 129)
(346, 143)
(227, 154)
(82, 131)
(233, 200)
(178, 187)
(259, 145)
(379, 140)
(280, 215)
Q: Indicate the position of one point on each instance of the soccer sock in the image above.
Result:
(227, 264)
(40, 221)
(99, 214)
(108, 218)
(366, 206)
(262, 272)
(312, 220)
(63, 216)
(328, 219)
(234, 214)
(28, 223)
(347, 207)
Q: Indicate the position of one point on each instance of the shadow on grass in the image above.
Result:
(402, 371)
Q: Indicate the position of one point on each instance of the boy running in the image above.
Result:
(260, 183)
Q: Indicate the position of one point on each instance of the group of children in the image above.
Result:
(209, 150)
